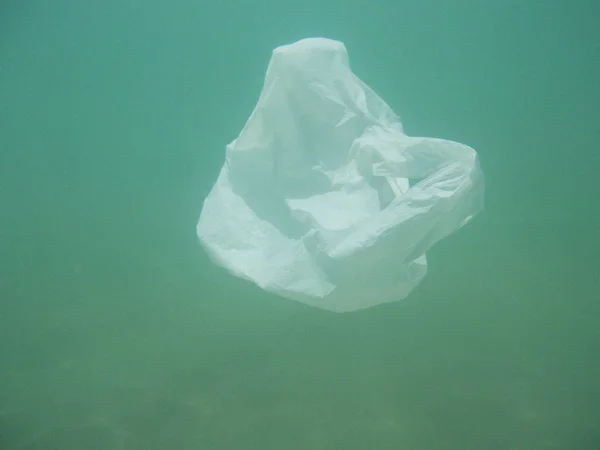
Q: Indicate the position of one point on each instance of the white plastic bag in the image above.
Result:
(323, 198)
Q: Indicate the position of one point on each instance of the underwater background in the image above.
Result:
(117, 332)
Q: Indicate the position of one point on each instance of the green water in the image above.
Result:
(117, 333)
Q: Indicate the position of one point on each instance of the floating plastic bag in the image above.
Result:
(323, 199)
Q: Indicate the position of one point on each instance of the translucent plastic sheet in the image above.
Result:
(323, 198)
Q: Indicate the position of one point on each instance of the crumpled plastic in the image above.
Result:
(323, 198)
